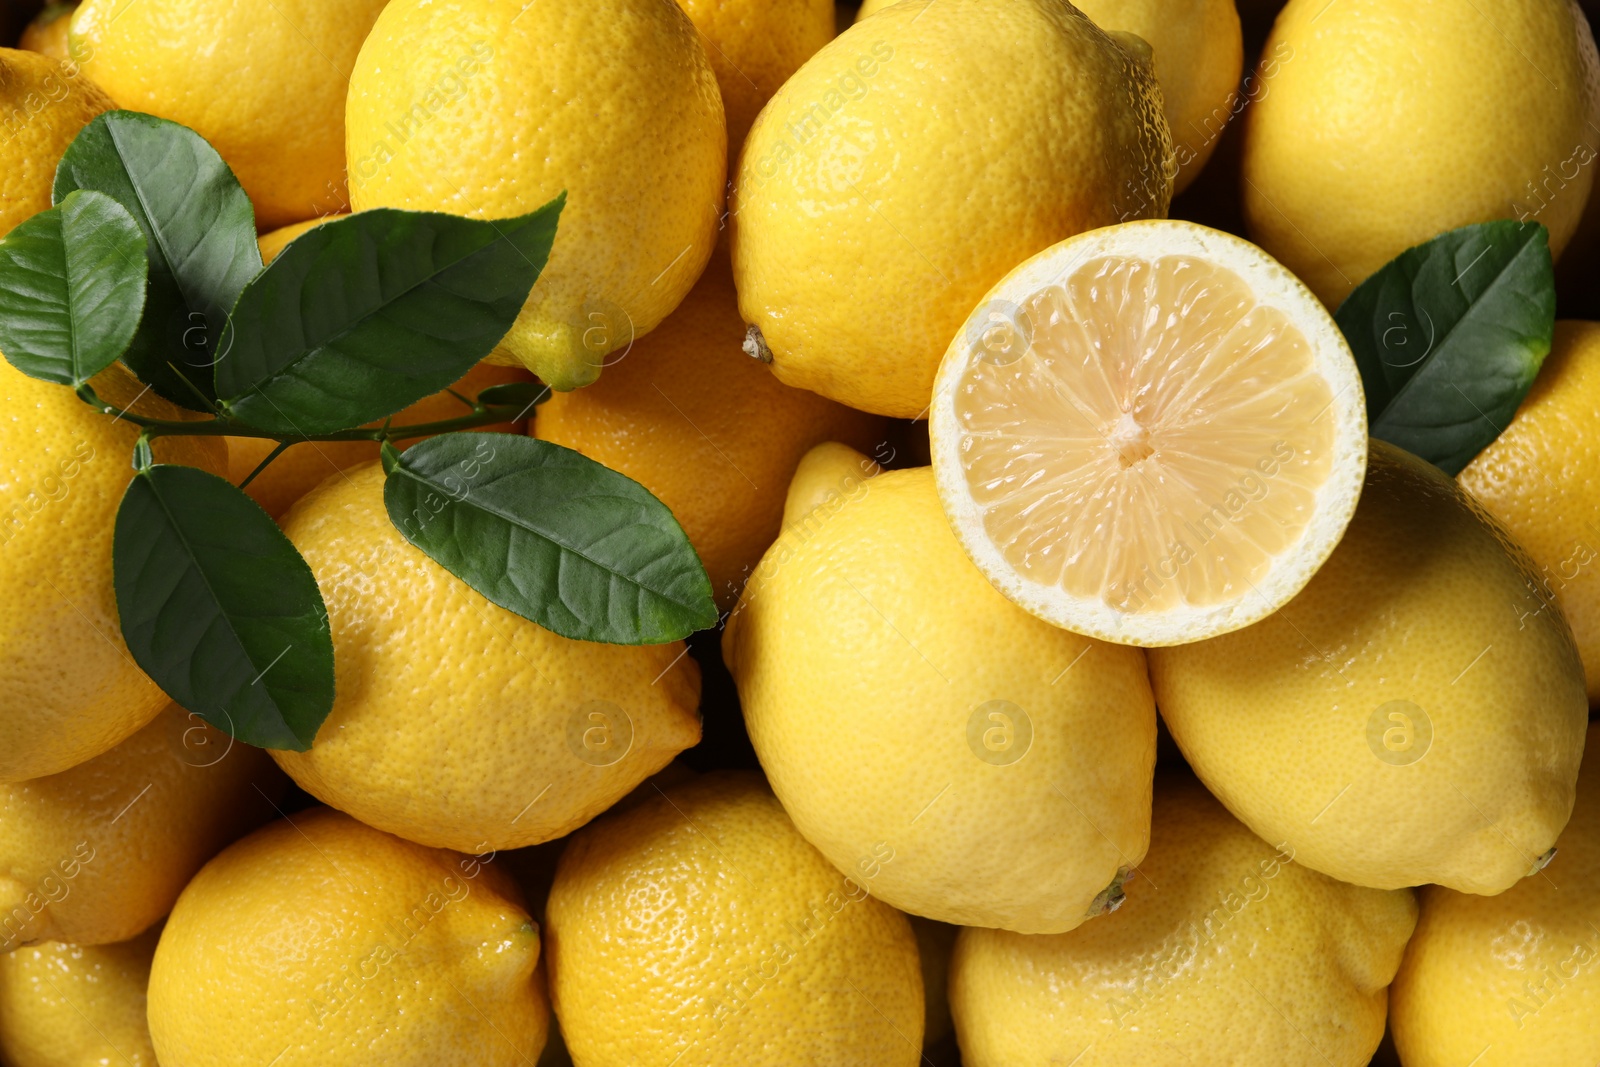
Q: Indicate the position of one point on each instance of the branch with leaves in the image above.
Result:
(149, 257)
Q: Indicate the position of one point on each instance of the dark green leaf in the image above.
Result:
(526, 395)
(551, 535)
(200, 232)
(1450, 335)
(220, 610)
(71, 289)
(364, 315)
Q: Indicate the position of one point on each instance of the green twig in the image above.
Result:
(274, 454)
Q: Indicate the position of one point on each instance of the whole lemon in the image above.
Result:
(318, 940)
(97, 853)
(705, 428)
(70, 1005)
(1227, 951)
(457, 723)
(916, 159)
(1415, 714)
(1389, 121)
(263, 80)
(47, 33)
(1198, 48)
(65, 673)
(1540, 478)
(903, 707)
(499, 107)
(754, 46)
(699, 927)
(1510, 979)
(43, 105)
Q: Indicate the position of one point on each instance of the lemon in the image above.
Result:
(301, 467)
(1539, 478)
(500, 107)
(72, 1006)
(912, 162)
(827, 476)
(64, 670)
(1227, 951)
(1415, 715)
(97, 853)
(1150, 433)
(754, 46)
(43, 105)
(699, 928)
(456, 723)
(903, 708)
(1510, 979)
(1389, 121)
(1198, 50)
(705, 428)
(47, 33)
(319, 940)
(263, 80)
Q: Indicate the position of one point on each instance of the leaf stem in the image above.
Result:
(274, 454)
(482, 415)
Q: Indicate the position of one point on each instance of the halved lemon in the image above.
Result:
(1151, 433)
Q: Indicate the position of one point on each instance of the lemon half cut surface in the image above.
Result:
(1150, 433)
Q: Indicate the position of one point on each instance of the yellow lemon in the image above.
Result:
(754, 46)
(1539, 478)
(263, 80)
(458, 724)
(499, 107)
(1226, 951)
(1415, 714)
(1198, 50)
(1510, 980)
(699, 927)
(73, 1006)
(1389, 121)
(1150, 433)
(43, 105)
(277, 240)
(705, 428)
(994, 769)
(318, 940)
(97, 853)
(64, 670)
(47, 33)
(916, 159)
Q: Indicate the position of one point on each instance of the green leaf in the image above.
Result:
(200, 237)
(551, 535)
(364, 315)
(72, 284)
(220, 610)
(1449, 336)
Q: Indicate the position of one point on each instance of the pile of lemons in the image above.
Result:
(1104, 696)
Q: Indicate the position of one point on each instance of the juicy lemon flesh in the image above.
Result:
(1145, 432)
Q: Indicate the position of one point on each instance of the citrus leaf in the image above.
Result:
(551, 535)
(219, 609)
(200, 236)
(1449, 336)
(72, 282)
(361, 316)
